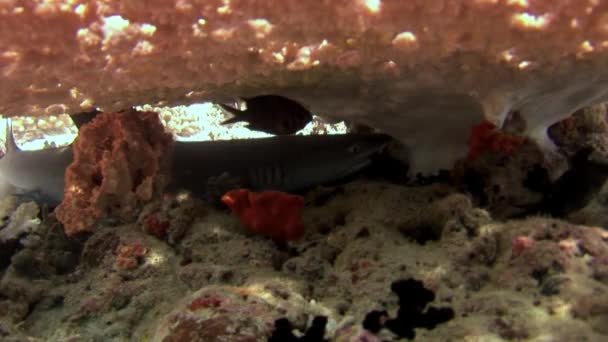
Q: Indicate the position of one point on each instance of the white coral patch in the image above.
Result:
(372, 5)
(114, 25)
(262, 27)
(529, 21)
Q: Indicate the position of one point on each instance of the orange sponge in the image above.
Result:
(275, 214)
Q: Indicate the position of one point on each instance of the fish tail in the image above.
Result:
(237, 114)
(232, 120)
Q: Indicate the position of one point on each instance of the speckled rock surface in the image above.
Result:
(534, 278)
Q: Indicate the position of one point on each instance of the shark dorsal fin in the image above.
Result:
(11, 145)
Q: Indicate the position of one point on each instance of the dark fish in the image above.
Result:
(271, 114)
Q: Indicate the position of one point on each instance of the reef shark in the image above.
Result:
(284, 163)
(209, 168)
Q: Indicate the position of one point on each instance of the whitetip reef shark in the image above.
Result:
(209, 168)
(289, 163)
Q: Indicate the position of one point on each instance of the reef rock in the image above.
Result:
(424, 71)
(121, 161)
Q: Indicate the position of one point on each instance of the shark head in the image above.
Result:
(344, 156)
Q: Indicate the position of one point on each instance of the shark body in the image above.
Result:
(283, 163)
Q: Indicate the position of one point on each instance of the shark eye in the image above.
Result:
(354, 149)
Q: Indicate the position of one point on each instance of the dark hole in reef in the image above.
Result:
(413, 298)
(443, 176)
(386, 168)
(363, 233)
(422, 234)
(537, 179)
(138, 178)
(340, 218)
(325, 195)
(324, 229)
(540, 274)
(97, 178)
(283, 331)
(475, 184)
(552, 285)
(7, 249)
(279, 259)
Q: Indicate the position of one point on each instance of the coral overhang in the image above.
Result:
(424, 71)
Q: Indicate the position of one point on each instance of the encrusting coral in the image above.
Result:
(121, 161)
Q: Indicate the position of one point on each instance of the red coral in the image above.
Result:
(485, 137)
(271, 213)
(156, 227)
(121, 161)
(204, 302)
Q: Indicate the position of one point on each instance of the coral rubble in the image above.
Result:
(360, 268)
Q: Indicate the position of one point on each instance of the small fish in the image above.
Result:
(271, 114)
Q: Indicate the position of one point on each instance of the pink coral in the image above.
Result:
(129, 256)
(205, 301)
(520, 245)
(155, 226)
(121, 161)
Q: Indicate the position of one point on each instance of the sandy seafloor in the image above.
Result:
(380, 261)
